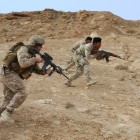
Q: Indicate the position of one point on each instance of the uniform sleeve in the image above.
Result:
(88, 48)
(75, 46)
(24, 57)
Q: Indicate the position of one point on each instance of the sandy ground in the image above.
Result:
(108, 110)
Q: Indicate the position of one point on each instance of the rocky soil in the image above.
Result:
(109, 110)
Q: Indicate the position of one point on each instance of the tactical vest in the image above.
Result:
(12, 54)
(11, 61)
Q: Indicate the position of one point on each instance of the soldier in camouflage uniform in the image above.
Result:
(81, 57)
(12, 77)
(74, 48)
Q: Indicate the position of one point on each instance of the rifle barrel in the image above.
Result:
(64, 75)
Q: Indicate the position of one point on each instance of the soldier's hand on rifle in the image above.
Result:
(49, 71)
(38, 59)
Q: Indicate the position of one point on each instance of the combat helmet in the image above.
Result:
(36, 40)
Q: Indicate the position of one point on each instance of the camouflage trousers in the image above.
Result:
(82, 66)
(71, 63)
(13, 90)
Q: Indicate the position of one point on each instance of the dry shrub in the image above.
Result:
(10, 17)
(121, 67)
(130, 31)
(122, 78)
(69, 105)
(20, 14)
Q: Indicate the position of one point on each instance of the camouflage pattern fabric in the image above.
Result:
(13, 87)
(80, 57)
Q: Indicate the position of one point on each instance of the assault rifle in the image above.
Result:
(105, 55)
(48, 61)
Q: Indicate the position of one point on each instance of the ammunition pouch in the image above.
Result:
(25, 75)
(7, 69)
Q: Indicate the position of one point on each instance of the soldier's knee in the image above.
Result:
(20, 89)
(87, 72)
(18, 100)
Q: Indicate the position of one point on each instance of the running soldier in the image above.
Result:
(74, 48)
(81, 57)
(13, 73)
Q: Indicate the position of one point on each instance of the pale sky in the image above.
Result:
(127, 9)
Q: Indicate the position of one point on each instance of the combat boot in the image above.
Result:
(7, 116)
(91, 82)
(68, 84)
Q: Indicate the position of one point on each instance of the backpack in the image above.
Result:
(11, 55)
